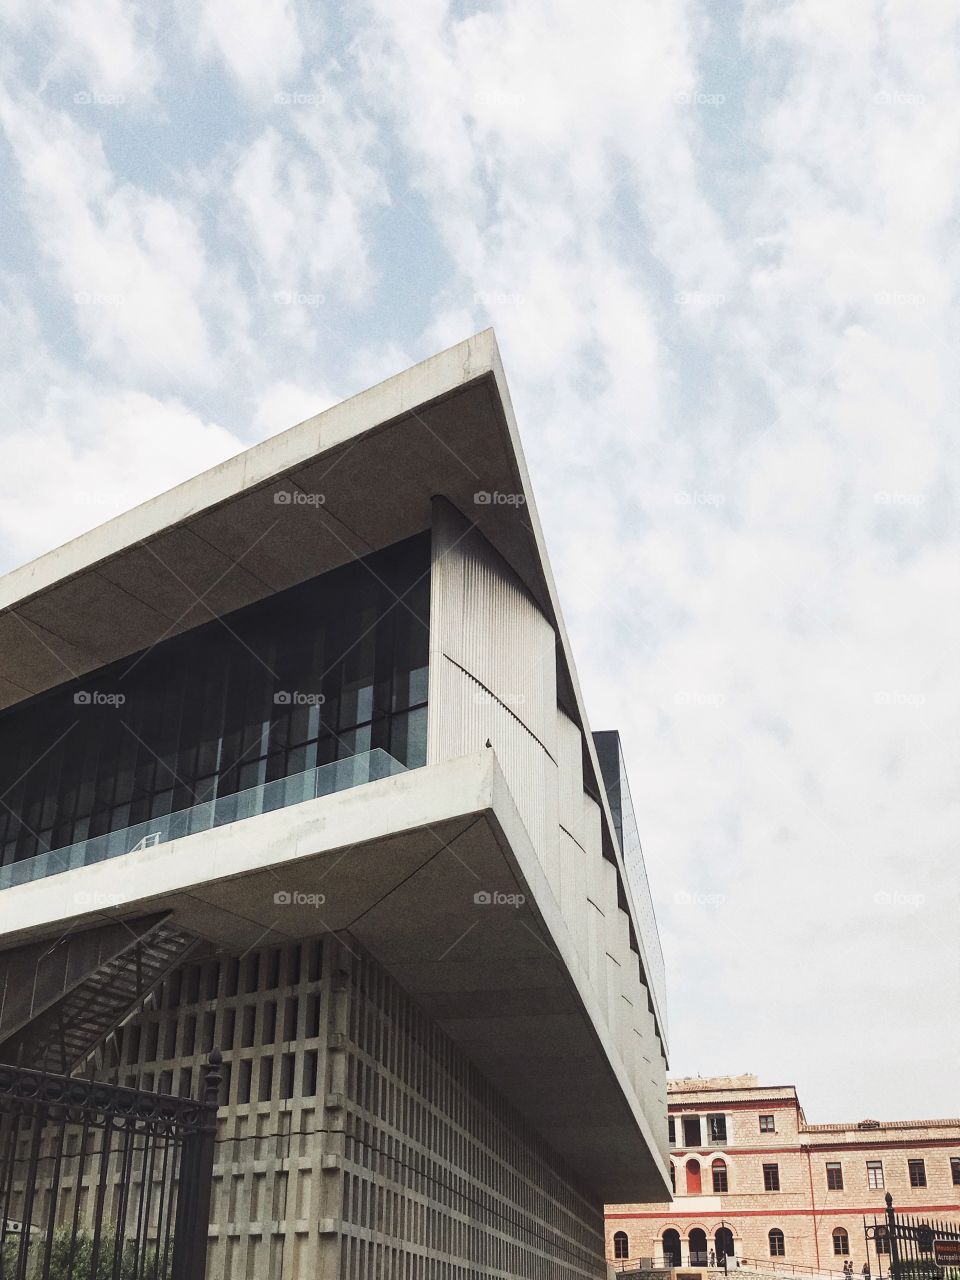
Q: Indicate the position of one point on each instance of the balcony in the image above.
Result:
(339, 775)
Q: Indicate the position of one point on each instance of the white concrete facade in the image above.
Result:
(546, 999)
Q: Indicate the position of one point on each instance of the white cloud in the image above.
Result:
(303, 197)
(105, 44)
(725, 291)
(740, 592)
(259, 44)
(132, 269)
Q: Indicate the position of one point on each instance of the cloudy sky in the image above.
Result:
(719, 247)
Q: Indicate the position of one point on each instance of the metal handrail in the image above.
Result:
(777, 1266)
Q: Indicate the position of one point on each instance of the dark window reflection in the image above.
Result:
(322, 671)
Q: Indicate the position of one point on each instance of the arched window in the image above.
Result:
(694, 1181)
(673, 1177)
(841, 1241)
(698, 1247)
(621, 1246)
(671, 1248)
(723, 1240)
(719, 1170)
(777, 1248)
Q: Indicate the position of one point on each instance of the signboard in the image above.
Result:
(946, 1253)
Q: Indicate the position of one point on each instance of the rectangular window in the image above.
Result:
(955, 1170)
(672, 1130)
(834, 1176)
(771, 1177)
(315, 673)
(691, 1131)
(767, 1125)
(718, 1128)
(875, 1174)
(918, 1174)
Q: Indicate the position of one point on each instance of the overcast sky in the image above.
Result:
(719, 246)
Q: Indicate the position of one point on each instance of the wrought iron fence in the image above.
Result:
(912, 1247)
(101, 1182)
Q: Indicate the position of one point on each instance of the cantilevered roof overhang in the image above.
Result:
(368, 469)
(397, 865)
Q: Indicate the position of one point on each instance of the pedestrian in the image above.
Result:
(865, 1272)
(712, 1260)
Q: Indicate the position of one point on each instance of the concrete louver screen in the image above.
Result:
(58, 1001)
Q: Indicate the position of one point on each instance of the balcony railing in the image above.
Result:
(339, 775)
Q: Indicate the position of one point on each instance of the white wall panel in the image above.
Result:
(483, 620)
(570, 763)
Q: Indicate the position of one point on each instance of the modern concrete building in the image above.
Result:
(754, 1180)
(294, 762)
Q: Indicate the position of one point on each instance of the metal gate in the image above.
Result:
(101, 1182)
(913, 1248)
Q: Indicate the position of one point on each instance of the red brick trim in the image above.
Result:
(760, 1105)
(782, 1213)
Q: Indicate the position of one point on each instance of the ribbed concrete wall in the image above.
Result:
(493, 677)
(493, 673)
(355, 1139)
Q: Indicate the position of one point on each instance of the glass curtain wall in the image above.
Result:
(325, 670)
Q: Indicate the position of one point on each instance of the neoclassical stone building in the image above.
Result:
(754, 1180)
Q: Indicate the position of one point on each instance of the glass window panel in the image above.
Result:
(195, 703)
